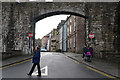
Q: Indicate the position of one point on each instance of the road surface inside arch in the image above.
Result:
(53, 65)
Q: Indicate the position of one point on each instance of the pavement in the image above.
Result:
(102, 65)
(15, 59)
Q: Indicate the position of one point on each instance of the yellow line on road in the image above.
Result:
(76, 61)
(15, 64)
(101, 72)
(94, 69)
(73, 60)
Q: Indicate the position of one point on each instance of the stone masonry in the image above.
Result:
(18, 19)
(101, 21)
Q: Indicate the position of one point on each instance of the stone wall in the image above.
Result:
(18, 19)
(0, 27)
(101, 22)
(5, 24)
(16, 27)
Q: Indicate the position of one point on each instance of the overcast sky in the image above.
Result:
(45, 25)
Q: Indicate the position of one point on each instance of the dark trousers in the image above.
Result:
(83, 54)
(92, 55)
(33, 67)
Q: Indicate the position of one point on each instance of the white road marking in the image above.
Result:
(43, 54)
(43, 74)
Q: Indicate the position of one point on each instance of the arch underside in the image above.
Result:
(57, 13)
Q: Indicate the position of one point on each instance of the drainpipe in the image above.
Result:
(33, 29)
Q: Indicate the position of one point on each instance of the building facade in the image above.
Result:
(75, 34)
(64, 36)
(44, 42)
(80, 34)
(60, 34)
(38, 42)
(49, 42)
(53, 39)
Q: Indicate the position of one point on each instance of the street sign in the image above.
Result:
(91, 35)
(30, 34)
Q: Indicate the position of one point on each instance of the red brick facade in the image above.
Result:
(44, 41)
(80, 34)
(75, 34)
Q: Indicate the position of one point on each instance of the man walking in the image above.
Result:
(36, 61)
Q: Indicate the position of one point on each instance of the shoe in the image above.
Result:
(39, 75)
(29, 74)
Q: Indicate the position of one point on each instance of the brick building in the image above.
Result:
(60, 34)
(49, 42)
(75, 34)
(38, 42)
(80, 34)
(53, 39)
(44, 42)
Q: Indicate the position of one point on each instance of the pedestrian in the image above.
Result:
(85, 50)
(91, 50)
(36, 61)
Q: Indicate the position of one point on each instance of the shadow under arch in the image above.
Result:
(56, 13)
(42, 16)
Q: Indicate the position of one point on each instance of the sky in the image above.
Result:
(46, 25)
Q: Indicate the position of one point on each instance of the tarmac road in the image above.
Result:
(53, 65)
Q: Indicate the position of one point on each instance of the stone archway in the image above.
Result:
(20, 18)
(57, 13)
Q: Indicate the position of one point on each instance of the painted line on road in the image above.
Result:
(19, 62)
(72, 59)
(100, 72)
(92, 67)
(75, 61)
(15, 64)
(43, 74)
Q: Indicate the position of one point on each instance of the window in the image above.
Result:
(53, 40)
(67, 31)
(74, 23)
(74, 42)
(70, 29)
(70, 43)
(70, 20)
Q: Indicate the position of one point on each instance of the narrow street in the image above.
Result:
(53, 65)
(78, 40)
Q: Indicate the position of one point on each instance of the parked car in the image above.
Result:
(43, 50)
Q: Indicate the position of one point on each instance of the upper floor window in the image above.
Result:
(67, 31)
(74, 43)
(70, 20)
(74, 23)
(70, 29)
(70, 43)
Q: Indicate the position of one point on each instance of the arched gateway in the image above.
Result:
(18, 20)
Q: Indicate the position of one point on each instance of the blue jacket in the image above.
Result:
(36, 57)
(85, 50)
